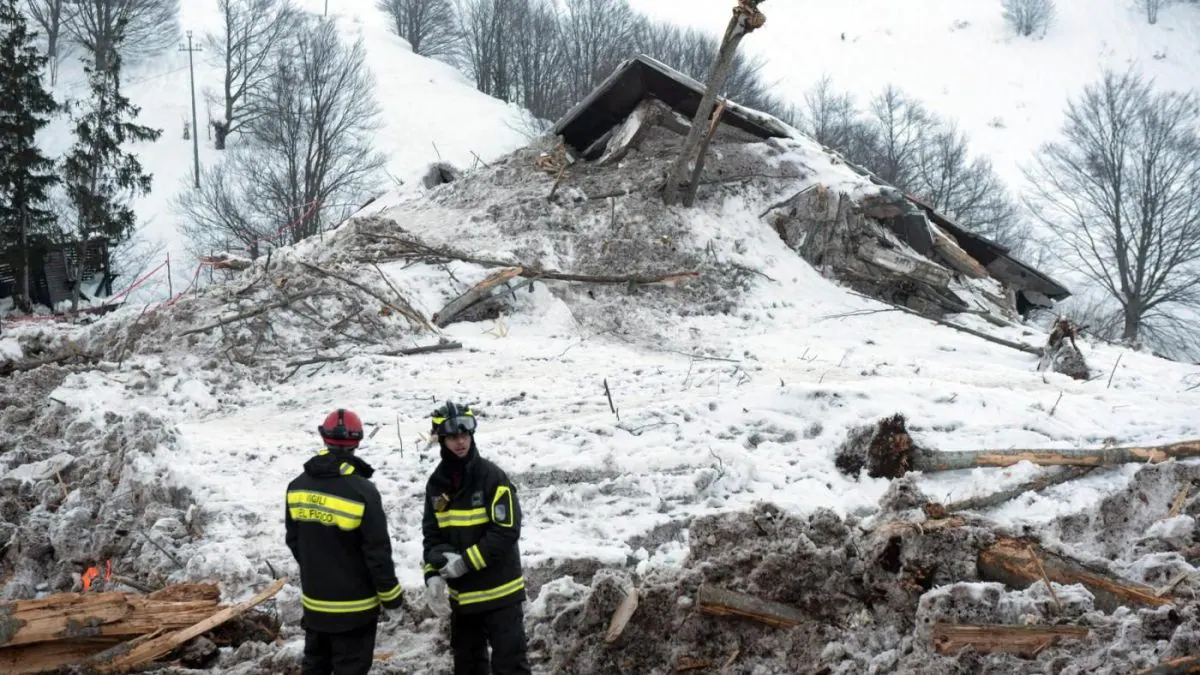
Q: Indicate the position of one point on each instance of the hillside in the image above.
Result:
(733, 395)
(959, 57)
(429, 111)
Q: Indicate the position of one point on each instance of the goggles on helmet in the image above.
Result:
(463, 424)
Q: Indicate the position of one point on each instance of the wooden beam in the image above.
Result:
(1187, 665)
(1026, 641)
(149, 650)
(720, 602)
(1018, 563)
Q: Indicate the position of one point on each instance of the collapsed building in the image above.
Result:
(890, 244)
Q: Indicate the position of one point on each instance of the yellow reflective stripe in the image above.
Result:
(476, 597)
(510, 517)
(392, 594)
(313, 498)
(461, 517)
(338, 606)
(476, 558)
(316, 514)
(429, 568)
(346, 468)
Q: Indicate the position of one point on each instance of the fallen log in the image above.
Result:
(1026, 641)
(988, 501)
(1188, 665)
(78, 615)
(1018, 563)
(891, 453)
(475, 294)
(443, 346)
(148, 650)
(483, 290)
(720, 602)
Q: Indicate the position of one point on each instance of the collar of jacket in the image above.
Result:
(331, 463)
(450, 464)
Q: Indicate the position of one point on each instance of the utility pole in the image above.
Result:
(195, 136)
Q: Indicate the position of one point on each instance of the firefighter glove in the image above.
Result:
(455, 566)
(436, 596)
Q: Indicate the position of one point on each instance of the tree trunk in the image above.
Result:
(741, 24)
(1132, 315)
(220, 132)
(1027, 641)
(1188, 665)
(1018, 563)
(720, 602)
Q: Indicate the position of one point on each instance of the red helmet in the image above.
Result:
(341, 428)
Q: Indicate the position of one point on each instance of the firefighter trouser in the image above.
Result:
(503, 629)
(349, 653)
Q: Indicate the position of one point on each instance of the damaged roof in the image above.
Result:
(616, 97)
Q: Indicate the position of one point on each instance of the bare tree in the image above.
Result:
(539, 60)
(900, 128)
(966, 189)
(142, 28)
(596, 36)
(828, 116)
(310, 157)
(691, 52)
(428, 25)
(1029, 16)
(52, 16)
(251, 33)
(484, 48)
(1121, 194)
(1151, 8)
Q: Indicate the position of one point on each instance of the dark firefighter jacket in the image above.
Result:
(338, 533)
(481, 520)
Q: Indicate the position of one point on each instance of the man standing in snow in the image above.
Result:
(338, 534)
(471, 526)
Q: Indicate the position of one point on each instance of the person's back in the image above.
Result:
(337, 532)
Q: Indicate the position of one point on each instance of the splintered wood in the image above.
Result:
(1027, 641)
(109, 632)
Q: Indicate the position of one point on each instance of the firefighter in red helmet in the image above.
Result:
(337, 531)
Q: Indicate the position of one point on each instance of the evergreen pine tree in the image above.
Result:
(100, 176)
(26, 175)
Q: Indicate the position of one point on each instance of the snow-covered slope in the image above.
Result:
(734, 393)
(429, 112)
(959, 56)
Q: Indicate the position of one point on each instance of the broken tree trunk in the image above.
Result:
(689, 197)
(149, 650)
(746, 18)
(997, 498)
(951, 460)
(475, 294)
(50, 657)
(721, 602)
(251, 313)
(1026, 641)
(890, 453)
(1188, 665)
(1018, 563)
(484, 289)
(79, 615)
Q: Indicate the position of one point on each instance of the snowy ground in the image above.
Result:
(720, 413)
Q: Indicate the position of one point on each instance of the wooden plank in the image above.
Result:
(149, 650)
(1188, 665)
(1027, 641)
(721, 602)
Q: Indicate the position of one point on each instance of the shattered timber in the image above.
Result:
(914, 586)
